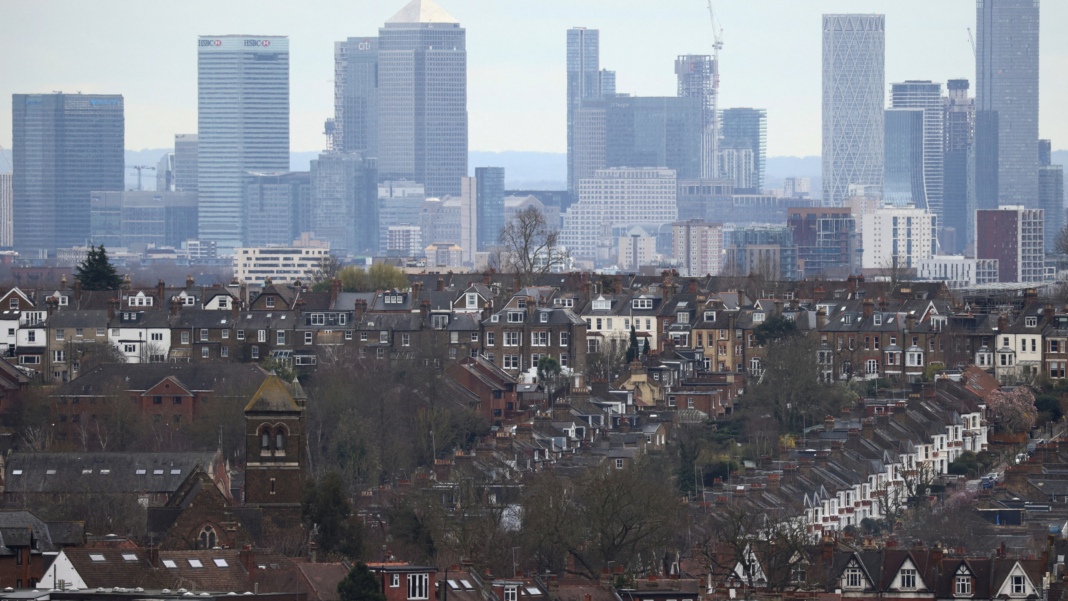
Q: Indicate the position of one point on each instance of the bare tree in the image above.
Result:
(896, 272)
(1061, 241)
(765, 549)
(531, 248)
(608, 360)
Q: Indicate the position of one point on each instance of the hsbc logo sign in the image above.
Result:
(264, 43)
(209, 43)
(217, 43)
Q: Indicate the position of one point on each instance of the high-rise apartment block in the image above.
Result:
(636, 248)
(356, 96)
(826, 239)
(1050, 195)
(698, 77)
(764, 250)
(344, 205)
(6, 223)
(1006, 101)
(796, 187)
(958, 126)
(469, 215)
(903, 173)
(735, 163)
(927, 97)
(654, 132)
(404, 240)
(750, 125)
(281, 265)
(64, 147)
(1014, 236)
(277, 207)
(853, 88)
(243, 126)
(618, 196)
(186, 148)
(422, 98)
(490, 206)
(899, 237)
(697, 247)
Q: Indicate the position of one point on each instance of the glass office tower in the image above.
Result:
(750, 125)
(927, 96)
(64, 146)
(903, 182)
(243, 123)
(356, 96)
(489, 200)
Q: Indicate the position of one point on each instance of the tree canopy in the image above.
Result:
(530, 247)
(360, 584)
(96, 272)
(775, 328)
(380, 276)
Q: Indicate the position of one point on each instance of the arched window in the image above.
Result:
(207, 538)
(265, 442)
(280, 440)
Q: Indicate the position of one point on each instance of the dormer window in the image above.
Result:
(544, 317)
(269, 302)
(62, 301)
(853, 577)
(13, 304)
(521, 302)
(682, 317)
(908, 578)
(1031, 321)
(602, 304)
(189, 301)
(758, 317)
(472, 301)
(515, 316)
(222, 302)
(710, 316)
(878, 319)
(642, 303)
(962, 585)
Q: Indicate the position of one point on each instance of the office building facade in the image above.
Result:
(750, 125)
(764, 250)
(356, 96)
(490, 205)
(826, 238)
(583, 84)
(243, 126)
(853, 85)
(617, 197)
(422, 98)
(903, 171)
(344, 209)
(130, 219)
(698, 77)
(926, 96)
(1006, 102)
(186, 149)
(1050, 195)
(469, 215)
(958, 119)
(654, 132)
(281, 265)
(64, 146)
(1014, 236)
(165, 173)
(6, 224)
(277, 207)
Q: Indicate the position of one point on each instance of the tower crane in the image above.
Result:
(971, 41)
(139, 168)
(4, 155)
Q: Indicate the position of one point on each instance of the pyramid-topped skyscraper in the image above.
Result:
(422, 98)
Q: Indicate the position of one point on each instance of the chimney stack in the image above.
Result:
(441, 284)
(189, 281)
(160, 290)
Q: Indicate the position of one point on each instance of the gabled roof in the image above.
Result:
(272, 396)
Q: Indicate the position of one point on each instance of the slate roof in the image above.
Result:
(138, 377)
(108, 473)
(78, 319)
(51, 536)
(203, 318)
(322, 579)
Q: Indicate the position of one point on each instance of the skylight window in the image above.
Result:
(16, 472)
(169, 563)
(129, 557)
(220, 562)
(50, 472)
(195, 563)
(175, 472)
(105, 472)
(140, 472)
(157, 472)
(84, 472)
(96, 557)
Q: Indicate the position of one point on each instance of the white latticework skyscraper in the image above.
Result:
(853, 81)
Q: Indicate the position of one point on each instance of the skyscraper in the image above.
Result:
(750, 125)
(243, 125)
(356, 96)
(344, 203)
(903, 158)
(1006, 100)
(489, 202)
(654, 132)
(277, 207)
(853, 80)
(927, 96)
(585, 82)
(6, 225)
(698, 77)
(185, 162)
(958, 126)
(64, 147)
(1050, 195)
(165, 173)
(422, 98)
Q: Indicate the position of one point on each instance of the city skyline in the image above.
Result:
(516, 71)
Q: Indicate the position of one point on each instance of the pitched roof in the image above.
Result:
(422, 11)
(272, 396)
(100, 472)
(143, 376)
(323, 579)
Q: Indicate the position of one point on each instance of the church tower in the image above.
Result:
(274, 441)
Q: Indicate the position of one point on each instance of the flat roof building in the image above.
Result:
(277, 263)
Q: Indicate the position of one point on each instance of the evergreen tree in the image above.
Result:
(687, 476)
(326, 507)
(360, 584)
(634, 351)
(96, 272)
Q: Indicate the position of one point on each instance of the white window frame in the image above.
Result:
(418, 586)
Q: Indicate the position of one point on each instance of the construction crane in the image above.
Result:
(139, 168)
(971, 41)
(4, 154)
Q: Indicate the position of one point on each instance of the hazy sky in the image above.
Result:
(516, 74)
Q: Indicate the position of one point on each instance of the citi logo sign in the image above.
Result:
(209, 43)
(264, 43)
(365, 45)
